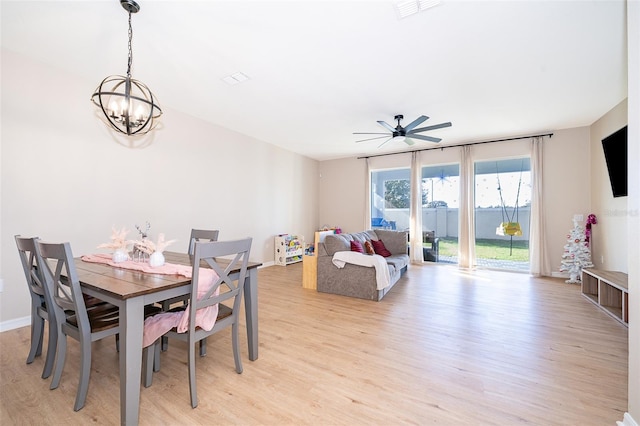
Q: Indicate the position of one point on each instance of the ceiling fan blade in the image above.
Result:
(380, 146)
(386, 135)
(424, 138)
(415, 122)
(387, 126)
(435, 126)
(369, 133)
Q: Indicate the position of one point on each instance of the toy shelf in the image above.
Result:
(288, 249)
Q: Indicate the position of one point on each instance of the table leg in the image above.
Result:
(131, 326)
(251, 311)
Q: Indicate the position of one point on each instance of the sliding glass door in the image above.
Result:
(440, 189)
(440, 208)
(502, 213)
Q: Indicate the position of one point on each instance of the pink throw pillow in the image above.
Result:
(379, 248)
(356, 246)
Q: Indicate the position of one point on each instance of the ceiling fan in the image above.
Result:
(406, 133)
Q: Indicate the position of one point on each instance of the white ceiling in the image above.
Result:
(321, 70)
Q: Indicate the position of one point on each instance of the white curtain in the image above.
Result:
(367, 198)
(415, 224)
(539, 257)
(466, 228)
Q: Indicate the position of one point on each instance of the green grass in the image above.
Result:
(490, 249)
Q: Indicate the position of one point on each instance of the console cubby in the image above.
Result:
(609, 290)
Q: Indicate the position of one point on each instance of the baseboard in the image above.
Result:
(265, 264)
(15, 323)
(627, 421)
(560, 275)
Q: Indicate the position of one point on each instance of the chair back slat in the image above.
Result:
(61, 278)
(26, 252)
(223, 257)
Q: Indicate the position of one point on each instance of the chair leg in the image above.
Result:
(156, 357)
(37, 332)
(203, 347)
(164, 339)
(61, 352)
(85, 373)
(236, 347)
(150, 363)
(51, 351)
(147, 364)
(191, 364)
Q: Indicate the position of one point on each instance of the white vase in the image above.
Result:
(120, 255)
(156, 259)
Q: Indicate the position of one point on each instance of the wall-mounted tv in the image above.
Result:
(615, 154)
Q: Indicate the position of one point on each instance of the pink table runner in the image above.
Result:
(157, 325)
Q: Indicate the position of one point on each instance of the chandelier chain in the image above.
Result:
(130, 50)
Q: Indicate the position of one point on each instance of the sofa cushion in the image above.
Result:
(361, 237)
(357, 246)
(397, 261)
(337, 242)
(379, 248)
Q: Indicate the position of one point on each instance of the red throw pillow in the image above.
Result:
(369, 248)
(356, 246)
(379, 248)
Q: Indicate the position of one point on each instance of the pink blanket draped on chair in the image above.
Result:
(157, 325)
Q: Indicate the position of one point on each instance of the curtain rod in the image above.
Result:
(455, 146)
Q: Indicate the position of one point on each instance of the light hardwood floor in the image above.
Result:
(445, 347)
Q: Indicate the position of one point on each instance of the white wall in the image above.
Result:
(342, 194)
(610, 233)
(565, 188)
(65, 178)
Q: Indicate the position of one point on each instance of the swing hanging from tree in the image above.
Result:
(510, 225)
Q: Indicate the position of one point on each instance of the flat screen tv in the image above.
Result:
(615, 154)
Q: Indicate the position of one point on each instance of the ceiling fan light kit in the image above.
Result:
(407, 133)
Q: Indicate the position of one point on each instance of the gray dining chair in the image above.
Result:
(40, 304)
(225, 258)
(197, 235)
(76, 315)
(72, 316)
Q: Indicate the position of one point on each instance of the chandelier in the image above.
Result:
(128, 104)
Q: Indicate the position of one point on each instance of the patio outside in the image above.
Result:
(490, 253)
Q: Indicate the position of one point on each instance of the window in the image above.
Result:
(390, 198)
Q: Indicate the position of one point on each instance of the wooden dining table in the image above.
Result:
(131, 290)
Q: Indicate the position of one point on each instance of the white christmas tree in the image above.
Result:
(576, 254)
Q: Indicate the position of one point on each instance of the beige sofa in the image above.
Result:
(356, 280)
